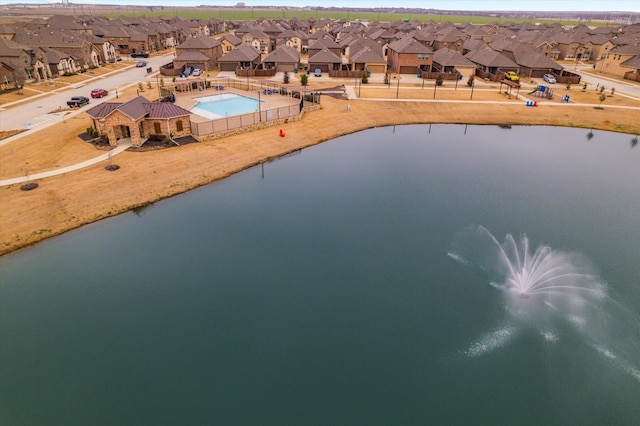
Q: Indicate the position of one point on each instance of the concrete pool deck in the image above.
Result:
(273, 101)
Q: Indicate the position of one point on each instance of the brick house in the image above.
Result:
(407, 56)
(198, 52)
(139, 119)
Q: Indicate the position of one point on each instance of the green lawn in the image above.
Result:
(250, 14)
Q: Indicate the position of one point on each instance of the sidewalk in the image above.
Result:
(123, 144)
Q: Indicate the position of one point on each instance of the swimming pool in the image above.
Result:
(224, 105)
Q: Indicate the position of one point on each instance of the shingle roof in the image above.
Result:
(199, 42)
(634, 62)
(325, 56)
(448, 57)
(137, 108)
(409, 45)
(283, 54)
(241, 53)
(192, 55)
(490, 58)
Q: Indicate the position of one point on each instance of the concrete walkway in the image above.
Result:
(123, 144)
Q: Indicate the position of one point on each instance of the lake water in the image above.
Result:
(349, 283)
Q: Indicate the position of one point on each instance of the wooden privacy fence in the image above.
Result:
(632, 75)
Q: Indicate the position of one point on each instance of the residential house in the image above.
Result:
(229, 42)
(322, 44)
(85, 53)
(533, 63)
(244, 57)
(621, 61)
(282, 59)
(449, 38)
(364, 54)
(198, 52)
(21, 64)
(409, 56)
(59, 62)
(491, 64)
(326, 60)
(451, 61)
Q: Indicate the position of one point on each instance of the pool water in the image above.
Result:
(225, 105)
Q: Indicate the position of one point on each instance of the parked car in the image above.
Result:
(512, 76)
(141, 64)
(317, 72)
(98, 93)
(139, 55)
(187, 71)
(77, 101)
(549, 78)
(196, 72)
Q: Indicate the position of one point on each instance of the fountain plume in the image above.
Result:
(550, 291)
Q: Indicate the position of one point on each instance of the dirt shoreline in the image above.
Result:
(69, 201)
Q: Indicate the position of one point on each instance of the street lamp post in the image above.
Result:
(398, 86)
(259, 107)
(473, 84)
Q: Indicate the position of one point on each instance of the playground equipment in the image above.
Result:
(542, 92)
(532, 103)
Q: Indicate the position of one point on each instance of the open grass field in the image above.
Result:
(254, 13)
(350, 15)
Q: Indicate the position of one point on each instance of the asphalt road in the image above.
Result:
(35, 114)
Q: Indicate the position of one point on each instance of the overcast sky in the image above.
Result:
(544, 5)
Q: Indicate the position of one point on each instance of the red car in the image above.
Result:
(98, 93)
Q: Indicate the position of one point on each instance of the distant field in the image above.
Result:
(253, 14)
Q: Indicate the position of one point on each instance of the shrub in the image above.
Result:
(304, 79)
(439, 80)
(285, 79)
(365, 77)
(470, 81)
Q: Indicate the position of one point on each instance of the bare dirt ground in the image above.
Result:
(69, 201)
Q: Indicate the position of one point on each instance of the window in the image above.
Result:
(156, 128)
(179, 125)
(423, 56)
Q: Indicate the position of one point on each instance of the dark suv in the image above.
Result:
(77, 101)
(139, 55)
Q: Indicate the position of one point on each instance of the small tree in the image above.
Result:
(365, 77)
(149, 86)
(602, 89)
(584, 87)
(304, 79)
(602, 97)
(470, 81)
(285, 79)
(161, 82)
(613, 90)
(568, 86)
(140, 87)
(439, 80)
(386, 77)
